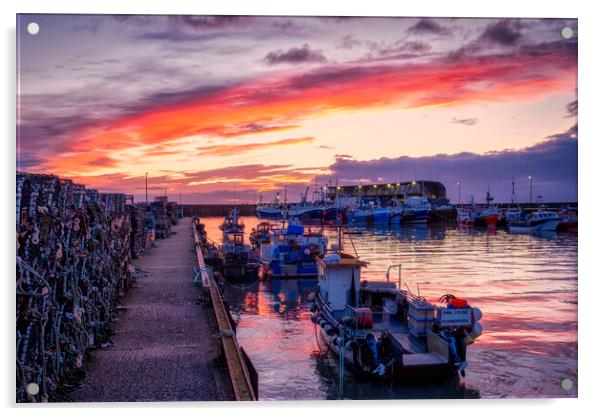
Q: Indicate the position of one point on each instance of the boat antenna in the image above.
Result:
(408, 287)
(513, 197)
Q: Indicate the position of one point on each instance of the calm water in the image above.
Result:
(525, 285)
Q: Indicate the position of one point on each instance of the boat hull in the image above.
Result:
(301, 270)
(269, 215)
(398, 373)
(490, 220)
(551, 225)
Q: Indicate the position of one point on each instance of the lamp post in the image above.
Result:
(146, 191)
(459, 191)
(530, 189)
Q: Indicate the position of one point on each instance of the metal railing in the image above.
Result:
(240, 377)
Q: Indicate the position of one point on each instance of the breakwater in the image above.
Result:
(217, 210)
(74, 264)
(441, 215)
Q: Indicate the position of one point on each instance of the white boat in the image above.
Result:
(541, 220)
(513, 212)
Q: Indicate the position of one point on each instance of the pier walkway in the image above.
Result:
(163, 347)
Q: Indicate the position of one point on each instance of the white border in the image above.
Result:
(590, 70)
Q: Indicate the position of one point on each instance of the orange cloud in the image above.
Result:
(224, 150)
(292, 98)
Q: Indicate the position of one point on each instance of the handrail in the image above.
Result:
(399, 273)
(237, 368)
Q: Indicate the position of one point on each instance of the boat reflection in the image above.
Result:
(327, 369)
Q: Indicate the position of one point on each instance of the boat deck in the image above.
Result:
(400, 333)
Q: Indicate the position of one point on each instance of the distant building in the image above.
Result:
(434, 191)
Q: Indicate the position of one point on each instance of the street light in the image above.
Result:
(530, 189)
(459, 191)
(146, 189)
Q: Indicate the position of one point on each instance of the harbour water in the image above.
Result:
(526, 286)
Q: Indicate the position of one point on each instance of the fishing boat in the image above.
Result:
(568, 219)
(467, 215)
(384, 332)
(239, 260)
(292, 251)
(372, 214)
(271, 211)
(541, 220)
(260, 234)
(416, 210)
(513, 212)
(210, 250)
(490, 214)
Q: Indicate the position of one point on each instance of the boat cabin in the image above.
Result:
(339, 280)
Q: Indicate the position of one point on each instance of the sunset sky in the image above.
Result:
(224, 107)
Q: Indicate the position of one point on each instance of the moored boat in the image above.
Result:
(382, 331)
(372, 214)
(467, 215)
(568, 219)
(416, 210)
(541, 220)
(270, 211)
(239, 261)
(513, 212)
(292, 251)
(490, 214)
(260, 234)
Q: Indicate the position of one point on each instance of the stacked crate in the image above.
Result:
(421, 315)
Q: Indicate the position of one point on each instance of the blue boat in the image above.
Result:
(416, 210)
(292, 251)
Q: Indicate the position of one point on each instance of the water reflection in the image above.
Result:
(525, 284)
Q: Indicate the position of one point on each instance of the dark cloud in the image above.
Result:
(204, 22)
(90, 25)
(552, 163)
(400, 49)
(331, 75)
(571, 109)
(294, 56)
(178, 35)
(464, 121)
(348, 42)
(505, 32)
(428, 26)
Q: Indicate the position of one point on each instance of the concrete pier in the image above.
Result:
(164, 348)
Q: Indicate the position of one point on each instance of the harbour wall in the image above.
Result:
(220, 210)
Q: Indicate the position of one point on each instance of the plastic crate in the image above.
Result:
(421, 315)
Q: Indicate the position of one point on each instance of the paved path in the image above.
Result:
(163, 347)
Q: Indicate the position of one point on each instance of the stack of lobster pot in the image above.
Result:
(74, 250)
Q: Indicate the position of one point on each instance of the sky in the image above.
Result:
(222, 109)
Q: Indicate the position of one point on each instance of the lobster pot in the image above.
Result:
(421, 315)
